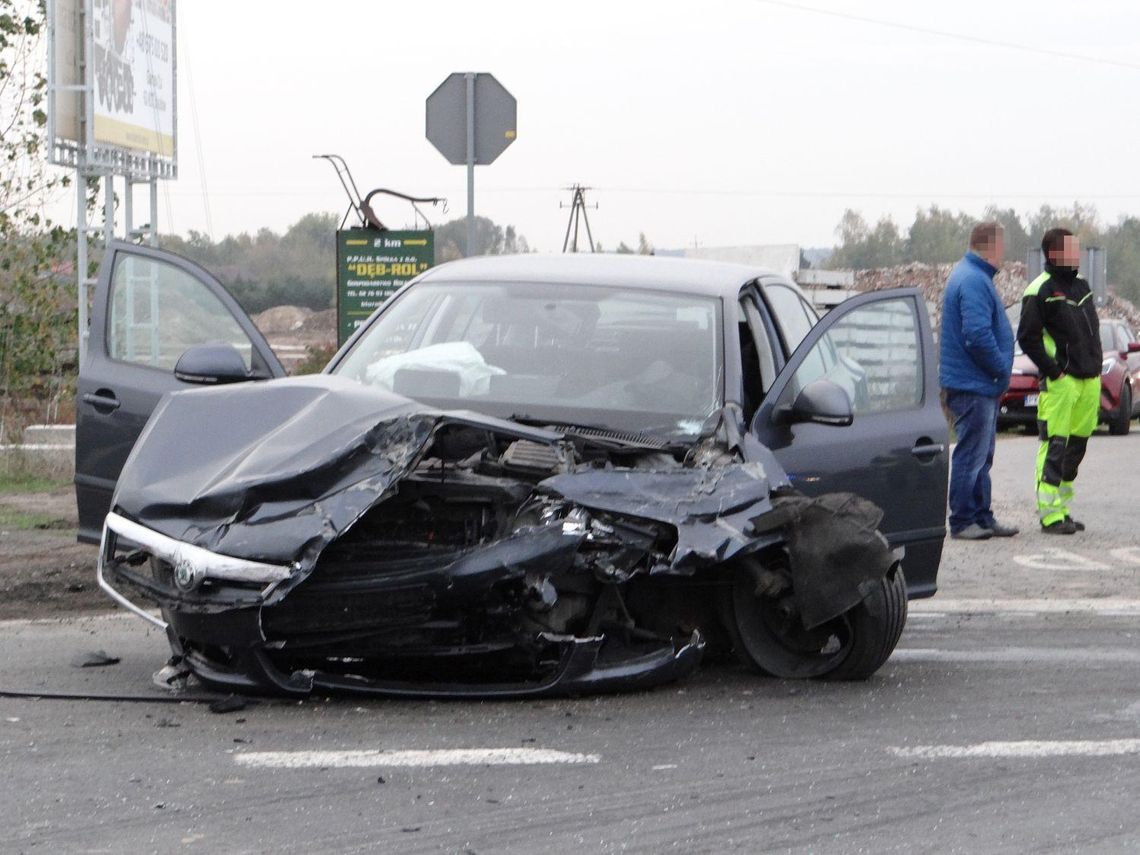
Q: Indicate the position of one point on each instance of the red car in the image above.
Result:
(1119, 379)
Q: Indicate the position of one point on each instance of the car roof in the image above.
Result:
(689, 275)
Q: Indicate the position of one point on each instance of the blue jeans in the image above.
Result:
(975, 423)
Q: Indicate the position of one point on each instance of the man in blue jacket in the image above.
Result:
(976, 361)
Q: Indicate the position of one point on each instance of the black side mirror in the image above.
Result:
(211, 364)
(821, 402)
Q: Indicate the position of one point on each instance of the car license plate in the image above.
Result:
(1031, 400)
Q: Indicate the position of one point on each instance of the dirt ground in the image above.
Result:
(43, 570)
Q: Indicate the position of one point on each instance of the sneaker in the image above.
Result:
(972, 532)
(999, 530)
(1077, 524)
(1065, 526)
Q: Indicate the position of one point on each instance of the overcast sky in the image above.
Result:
(721, 123)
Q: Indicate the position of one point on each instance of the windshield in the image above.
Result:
(603, 356)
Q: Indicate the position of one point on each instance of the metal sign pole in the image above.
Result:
(470, 164)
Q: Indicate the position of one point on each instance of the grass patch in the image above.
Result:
(19, 521)
(23, 482)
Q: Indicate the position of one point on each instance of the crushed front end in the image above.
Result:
(401, 551)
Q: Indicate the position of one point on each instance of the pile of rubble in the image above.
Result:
(294, 331)
(1010, 282)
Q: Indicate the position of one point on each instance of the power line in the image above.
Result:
(746, 193)
(964, 37)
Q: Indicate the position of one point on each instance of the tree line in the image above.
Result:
(939, 236)
(298, 267)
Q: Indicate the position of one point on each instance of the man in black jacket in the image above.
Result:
(1060, 332)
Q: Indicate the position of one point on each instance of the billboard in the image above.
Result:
(133, 74)
(111, 86)
(67, 69)
(371, 266)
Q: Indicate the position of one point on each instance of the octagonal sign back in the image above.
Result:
(496, 112)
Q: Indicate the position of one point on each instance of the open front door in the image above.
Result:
(150, 307)
(879, 350)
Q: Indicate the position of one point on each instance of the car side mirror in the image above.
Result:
(211, 364)
(820, 402)
(1133, 347)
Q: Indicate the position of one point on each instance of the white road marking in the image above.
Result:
(371, 758)
(1019, 654)
(664, 766)
(1100, 606)
(1127, 554)
(1025, 749)
(1059, 559)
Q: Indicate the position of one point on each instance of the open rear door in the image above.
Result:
(150, 306)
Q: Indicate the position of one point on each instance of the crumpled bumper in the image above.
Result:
(213, 600)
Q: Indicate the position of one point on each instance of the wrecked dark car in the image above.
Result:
(527, 476)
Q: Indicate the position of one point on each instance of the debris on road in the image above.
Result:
(95, 659)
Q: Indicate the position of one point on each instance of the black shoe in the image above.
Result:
(999, 530)
(1065, 526)
(1077, 525)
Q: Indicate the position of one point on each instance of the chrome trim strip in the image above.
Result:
(203, 563)
(111, 592)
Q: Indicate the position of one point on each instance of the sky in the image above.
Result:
(728, 122)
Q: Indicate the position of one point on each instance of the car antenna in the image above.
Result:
(363, 208)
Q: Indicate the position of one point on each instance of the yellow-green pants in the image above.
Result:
(1066, 417)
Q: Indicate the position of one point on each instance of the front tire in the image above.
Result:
(1121, 421)
(768, 635)
(877, 624)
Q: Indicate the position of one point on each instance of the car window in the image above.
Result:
(790, 315)
(159, 311)
(758, 367)
(623, 358)
(1107, 337)
(1122, 338)
(874, 355)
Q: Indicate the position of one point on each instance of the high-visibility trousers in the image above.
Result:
(1066, 417)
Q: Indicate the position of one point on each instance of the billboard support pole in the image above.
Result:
(153, 210)
(108, 209)
(128, 208)
(470, 163)
(81, 257)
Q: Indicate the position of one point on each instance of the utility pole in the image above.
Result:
(577, 208)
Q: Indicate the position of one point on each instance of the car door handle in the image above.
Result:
(104, 401)
(924, 448)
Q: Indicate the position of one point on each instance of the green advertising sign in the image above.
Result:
(371, 266)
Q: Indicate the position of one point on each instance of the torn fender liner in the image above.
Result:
(711, 509)
(835, 550)
(274, 472)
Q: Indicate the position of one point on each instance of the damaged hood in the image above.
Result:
(274, 471)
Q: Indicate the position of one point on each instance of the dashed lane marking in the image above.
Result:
(1064, 559)
(1021, 655)
(938, 607)
(1031, 749)
(392, 759)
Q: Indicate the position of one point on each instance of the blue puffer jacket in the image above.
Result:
(977, 341)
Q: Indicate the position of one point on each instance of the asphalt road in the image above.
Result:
(1007, 721)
